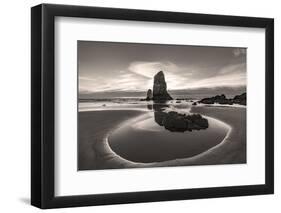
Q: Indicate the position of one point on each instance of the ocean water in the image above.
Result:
(124, 103)
(135, 103)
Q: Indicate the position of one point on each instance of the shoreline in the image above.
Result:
(93, 146)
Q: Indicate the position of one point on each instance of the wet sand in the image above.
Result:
(94, 128)
(232, 150)
(95, 153)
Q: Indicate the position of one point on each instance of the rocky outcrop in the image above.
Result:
(176, 122)
(149, 95)
(240, 99)
(160, 88)
(221, 99)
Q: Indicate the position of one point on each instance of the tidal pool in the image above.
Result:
(144, 140)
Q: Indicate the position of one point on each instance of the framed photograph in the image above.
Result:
(139, 106)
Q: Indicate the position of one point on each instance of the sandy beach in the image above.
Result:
(95, 126)
(232, 150)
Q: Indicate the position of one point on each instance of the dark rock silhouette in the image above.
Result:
(240, 99)
(149, 95)
(159, 107)
(221, 99)
(160, 88)
(176, 122)
(149, 106)
(159, 117)
(216, 99)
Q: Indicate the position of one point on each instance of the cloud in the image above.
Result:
(149, 69)
(81, 78)
(120, 81)
(175, 75)
(239, 51)
(138, 76)
(235, 68)
(83, 90)
(233, 79)
(231, 75)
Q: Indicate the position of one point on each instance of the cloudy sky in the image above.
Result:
(130, 67)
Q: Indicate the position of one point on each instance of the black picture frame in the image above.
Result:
(43, 102)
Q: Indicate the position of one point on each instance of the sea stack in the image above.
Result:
(149, 95)
(160, 88)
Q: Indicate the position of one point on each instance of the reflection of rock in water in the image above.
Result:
(177, 122)
(149, 95)
(159, 117)
(149, 106)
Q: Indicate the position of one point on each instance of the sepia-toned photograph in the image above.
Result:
(135, 105)
(160, 105)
